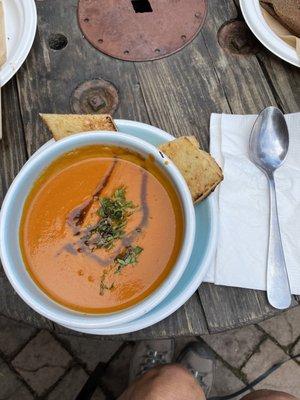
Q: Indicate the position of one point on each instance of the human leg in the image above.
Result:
(167, 382)
(269, 395)
(189, 380)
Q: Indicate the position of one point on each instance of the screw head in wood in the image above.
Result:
(96, 96)
(235, 37)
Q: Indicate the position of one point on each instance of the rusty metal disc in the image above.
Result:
(140, 30)
(96, 96)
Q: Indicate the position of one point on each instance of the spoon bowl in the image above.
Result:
(269, 140)
(268, 147)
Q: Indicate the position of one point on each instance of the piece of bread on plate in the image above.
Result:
(199, 169)
(63, 125)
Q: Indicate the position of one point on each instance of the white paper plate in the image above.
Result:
(20, 27)
(256, 22)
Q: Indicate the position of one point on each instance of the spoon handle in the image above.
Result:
(278, 286)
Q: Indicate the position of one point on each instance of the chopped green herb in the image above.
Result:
(116, 207)
(113, 213)
(103, 285)
(128, 256)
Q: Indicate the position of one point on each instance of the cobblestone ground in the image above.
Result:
(41, 365)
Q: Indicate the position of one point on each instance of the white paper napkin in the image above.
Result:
(243, 205)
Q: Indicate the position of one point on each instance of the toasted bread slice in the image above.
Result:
(198, 168)
(63, 125)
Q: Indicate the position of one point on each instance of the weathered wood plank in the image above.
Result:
(241, 76)
(177, 94)
(180, 93)
(240, 307)
(189, 320)
(12, 157)
(248, 90)
(49, 77)
(284, 79)
(46, 82)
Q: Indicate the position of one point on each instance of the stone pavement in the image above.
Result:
(41, 365)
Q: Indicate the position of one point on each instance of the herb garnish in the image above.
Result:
(128, 256)
(116, 207)
(113, 212)
(103, 285)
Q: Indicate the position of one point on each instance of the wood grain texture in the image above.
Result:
(180, 93)
(12, 157)
(284, 80)
(177, 94)
(187, 321)
(48, 78)
(46, 82)
(228, 307)
(248, 90)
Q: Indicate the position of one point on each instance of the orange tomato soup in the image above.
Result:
(101, 229)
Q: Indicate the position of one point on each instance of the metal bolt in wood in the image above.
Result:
(96, 96)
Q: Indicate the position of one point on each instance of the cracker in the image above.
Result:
(63, 125)
(198, 168)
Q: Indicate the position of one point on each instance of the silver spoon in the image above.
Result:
(269, 143)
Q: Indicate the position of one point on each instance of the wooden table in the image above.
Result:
(177, 94)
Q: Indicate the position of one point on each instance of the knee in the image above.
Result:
(172, 381)
(172, 372)
(269, 395)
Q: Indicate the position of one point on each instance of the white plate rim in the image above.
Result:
(160, 314)
(256, 22)
(13, 64)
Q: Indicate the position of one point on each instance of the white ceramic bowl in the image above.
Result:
(9, 233)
